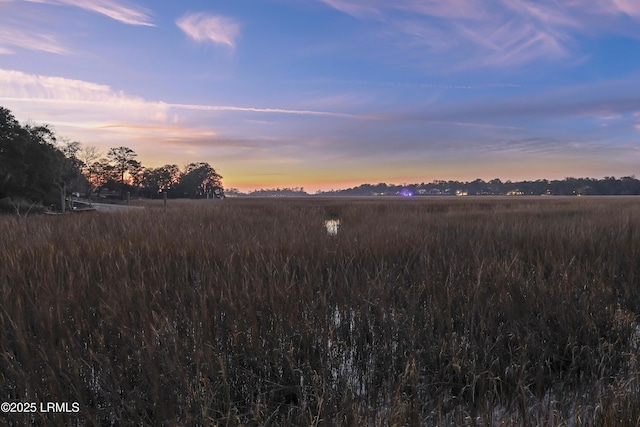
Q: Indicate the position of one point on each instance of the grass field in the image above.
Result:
(434, 311)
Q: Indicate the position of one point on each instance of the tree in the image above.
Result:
(31, 166)
(162, 179)
(73, 174)
(200, 180)
(88, 156)
(122, 160)
(100, 173)
(136, 173)
(11, 151)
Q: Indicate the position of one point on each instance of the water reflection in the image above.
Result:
(332, 226)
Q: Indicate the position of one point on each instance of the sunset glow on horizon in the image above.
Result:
(330, 94)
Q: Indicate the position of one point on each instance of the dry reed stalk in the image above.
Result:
(434, 311)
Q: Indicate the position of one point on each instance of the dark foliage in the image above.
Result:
(627, 185)
(31, 166)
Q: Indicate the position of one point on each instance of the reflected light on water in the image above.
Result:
(332, 226)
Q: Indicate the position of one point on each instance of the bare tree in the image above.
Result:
(88, 155)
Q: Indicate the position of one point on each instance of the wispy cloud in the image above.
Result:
(354, 8)
(552, 13)
(19, 85)
(261, 110)
(515, 43)
(494, 33)
(406, 85)
(91, 102)
(204, 27)
(614, 7)
(127, 14)
(23, 27)
(379, 8)
(18, 37)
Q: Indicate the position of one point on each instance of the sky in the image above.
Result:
(330, 94)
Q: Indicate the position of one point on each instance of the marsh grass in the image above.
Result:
(435, 312)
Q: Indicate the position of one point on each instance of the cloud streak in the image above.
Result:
(379, 8)
(114, 9)
(204, 27)
(17, 37)
(230, 108)
(77, 95)
(494, 33)
(357, 9)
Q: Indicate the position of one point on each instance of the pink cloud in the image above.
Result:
(204, 27)
(17, 37)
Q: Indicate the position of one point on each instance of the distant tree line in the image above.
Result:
(278, 192)
(627, 185)
(39, 168)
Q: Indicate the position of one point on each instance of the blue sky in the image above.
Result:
(334, 93)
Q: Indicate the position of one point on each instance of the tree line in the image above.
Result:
(37, 166)
(570, 186)
(626, 185)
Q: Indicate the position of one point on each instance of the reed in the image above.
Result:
(466, 311)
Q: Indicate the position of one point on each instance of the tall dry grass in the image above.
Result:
(433, 312)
